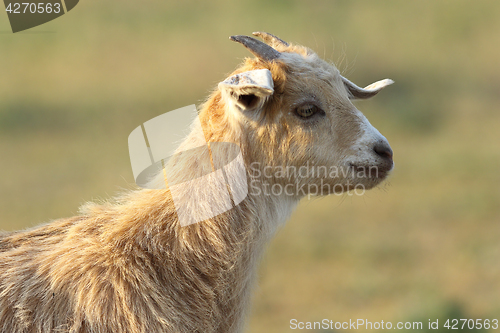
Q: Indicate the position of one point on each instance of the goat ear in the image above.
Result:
(248, 90)
(356, 92)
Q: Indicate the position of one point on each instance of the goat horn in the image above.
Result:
(258, 49)
(270, 39)
(371, 90)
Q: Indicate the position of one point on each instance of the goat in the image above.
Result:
(127, 265)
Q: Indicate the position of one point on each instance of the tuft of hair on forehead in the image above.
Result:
(292, 48)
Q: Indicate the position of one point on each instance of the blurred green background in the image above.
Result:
(425, 245)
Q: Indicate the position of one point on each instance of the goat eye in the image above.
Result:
(306, 111)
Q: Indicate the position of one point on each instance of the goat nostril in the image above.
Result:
(383, 150)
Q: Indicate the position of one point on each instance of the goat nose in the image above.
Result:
(383, 150)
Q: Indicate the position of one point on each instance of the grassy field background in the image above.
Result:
(425, 245)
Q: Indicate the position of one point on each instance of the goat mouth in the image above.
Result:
(370, 171)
